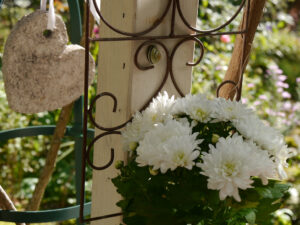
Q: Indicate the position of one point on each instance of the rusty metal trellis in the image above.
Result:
(175, 6)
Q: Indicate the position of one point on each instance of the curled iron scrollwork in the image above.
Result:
(235, 88)
(211, 30)
(174, 7)
(136, 34)
(112, 151)
(188, 63)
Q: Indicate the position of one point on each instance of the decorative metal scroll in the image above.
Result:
(175, 6)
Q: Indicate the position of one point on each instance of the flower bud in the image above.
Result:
(215, 138)
(133, 146)
(119, 164)
(152, 171)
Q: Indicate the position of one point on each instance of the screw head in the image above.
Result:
(153, 54)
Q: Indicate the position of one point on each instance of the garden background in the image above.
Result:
(271, 87)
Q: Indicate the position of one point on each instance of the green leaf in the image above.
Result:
(235, 2)
(276, 191)
(251, 217)
(264, 192)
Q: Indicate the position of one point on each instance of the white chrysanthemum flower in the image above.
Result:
(230, 165)
(294, 198)
(266, 138)
(135, 131)
(157, 112)
(280, 158)
(160, 108)
(168, 146)
(267, 168)
(198, 107)
(227, 110)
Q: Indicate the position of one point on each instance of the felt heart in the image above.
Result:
(42, 73)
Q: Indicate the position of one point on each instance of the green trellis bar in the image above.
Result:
(45, 216)
(40, 130)
(74, 131)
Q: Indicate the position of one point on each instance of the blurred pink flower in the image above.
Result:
(225, 38)
(296, 107)
(275, 69)
(281, 114)
(269, 72)
(218, 68)
(244, 100)
(287, 105)
(287, 122)
(282, 77)
(285, 94)
(263, 97)
(96, 31)
(270, 112)
(251, 85)
(282, 84)
(298, 79)
(256, 103)
(280, 90)
(291, 116)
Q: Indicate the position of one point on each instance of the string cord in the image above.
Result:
(51, 13)
(93, 9)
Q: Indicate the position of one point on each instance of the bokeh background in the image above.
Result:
(271, 88)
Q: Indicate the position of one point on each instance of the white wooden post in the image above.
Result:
(115, 69)
(132, 87)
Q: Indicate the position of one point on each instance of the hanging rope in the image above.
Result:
(93, 10)
(51, 13)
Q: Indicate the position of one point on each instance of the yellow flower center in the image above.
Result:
(154, 117)
(229, 169)
(230, 109)
(179, 157)
(132, 146)
(202, 115)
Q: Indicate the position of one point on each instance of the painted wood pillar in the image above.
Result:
(132, 87)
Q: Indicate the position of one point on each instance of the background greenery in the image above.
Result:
(271, 87)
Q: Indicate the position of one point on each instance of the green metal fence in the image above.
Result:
(74, 131)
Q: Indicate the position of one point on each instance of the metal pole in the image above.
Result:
(75, 37)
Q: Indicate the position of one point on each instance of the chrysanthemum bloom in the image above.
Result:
(198, 107)
(227, 110)
(157, 112)
(230, 165)
(168, 146)
(267, 139)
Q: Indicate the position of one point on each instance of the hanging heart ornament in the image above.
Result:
(41, 72)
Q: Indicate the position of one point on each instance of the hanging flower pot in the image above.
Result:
(200, 162)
